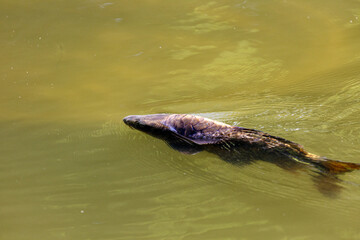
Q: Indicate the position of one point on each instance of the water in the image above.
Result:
(71, 70)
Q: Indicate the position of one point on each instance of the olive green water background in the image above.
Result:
(71, 70)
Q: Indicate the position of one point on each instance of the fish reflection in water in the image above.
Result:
(240, 146)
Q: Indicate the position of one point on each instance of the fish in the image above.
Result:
(191, 134)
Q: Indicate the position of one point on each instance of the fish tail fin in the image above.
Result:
(336, 167)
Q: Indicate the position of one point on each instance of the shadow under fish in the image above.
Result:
(191, 134)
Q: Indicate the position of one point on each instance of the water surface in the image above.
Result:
(71, 70)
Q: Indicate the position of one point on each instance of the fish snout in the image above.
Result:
(131, 120)
(146, 123)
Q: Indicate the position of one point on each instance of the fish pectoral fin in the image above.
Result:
(187, 145)
(184, 146)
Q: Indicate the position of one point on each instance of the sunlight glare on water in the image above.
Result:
(71, 70)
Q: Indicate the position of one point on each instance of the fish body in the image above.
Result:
(191, 134)
(241, 146)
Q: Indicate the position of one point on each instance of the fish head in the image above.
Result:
(147, 123)
(164, 128)
(190, 128)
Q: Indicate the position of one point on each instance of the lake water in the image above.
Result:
(71, 70)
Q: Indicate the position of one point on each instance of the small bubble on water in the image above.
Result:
(40, 38)
(308, 17)
(350, 21)
(118, 19)
(105, 4)
(138, 54)
(82, 211)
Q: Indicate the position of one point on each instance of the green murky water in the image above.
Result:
(71, 70)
